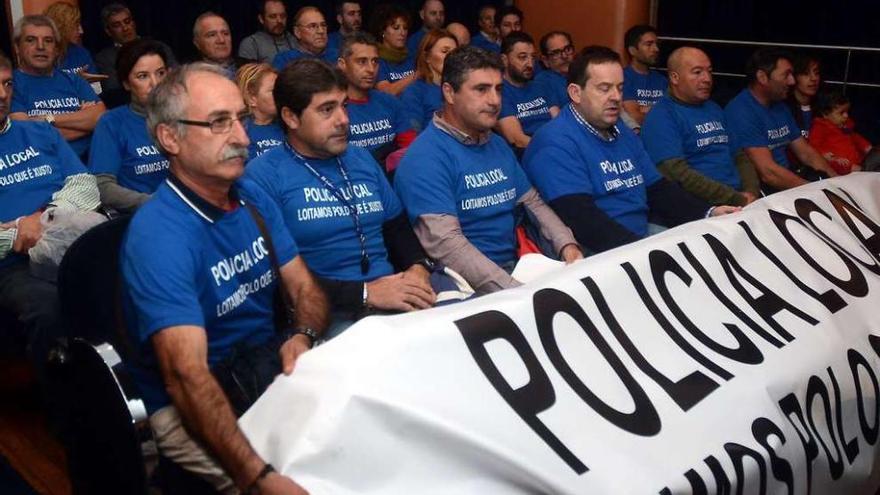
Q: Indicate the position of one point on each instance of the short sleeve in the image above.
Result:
(556, 170)
(285, 247)
(390, 201)
(508, 104)
(69, 160)
(384, 72)
(105, 156)
(661, 135)
(629, 84)
(402, 122)
(746, 129)
(411, 98)
(425, 186)
(84, 90)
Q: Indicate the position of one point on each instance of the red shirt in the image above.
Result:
(842, 142)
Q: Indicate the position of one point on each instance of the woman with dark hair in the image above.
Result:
(806, 84)
(422, 98)
(123, 158)
(390, 25)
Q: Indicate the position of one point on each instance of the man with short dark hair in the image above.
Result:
(310, 31)
(762, 125)
(688, 139)
(596, 174)
(433, 15)
(508, 20)
(273, 39)
(377, 120)
(487, 38)
(525, 106)
(201, 262)
(337, 203)
(557, 52)
(349, 15)
(45, 94)
(461, 183)
(213, 40)
(120, 26)
(642, 86)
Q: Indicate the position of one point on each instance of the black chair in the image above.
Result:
(110, 445)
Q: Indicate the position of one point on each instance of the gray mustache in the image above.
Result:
(230, 152)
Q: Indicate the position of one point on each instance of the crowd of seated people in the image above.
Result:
(352, 169)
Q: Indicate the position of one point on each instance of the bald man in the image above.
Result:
(433, 15)
(461, 33)
(310, 31)
(686, 136)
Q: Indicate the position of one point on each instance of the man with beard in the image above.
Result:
(337, 203)
(349, 15)
(200, 264)
(687, 138)
(487, 38)
(310, 30)
(596, 174)
(642, 87)
(433, 15)
(525, 105)
(213, 40)
(762, 125)
(273, 39)
(460, 182)
(557, 52)
(377, 120)
(508, 20)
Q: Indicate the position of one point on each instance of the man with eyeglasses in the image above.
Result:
(557, 52)
(348, 223)
(525, 105)
(201, 262)
(273, 39)
(213, 40)
(310, 31)
(120, 26)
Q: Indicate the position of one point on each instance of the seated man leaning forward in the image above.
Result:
(336, 201)
(199, 281)
(595, 173)
(687, 138)
(460, 183)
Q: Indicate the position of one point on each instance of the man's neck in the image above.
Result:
(355, 93)
(640, 67)
(603, 130)
(277, 37)
(304, 149)
(489, 36)
(452, 120)
(513, 81)
(759, 95)
(310, 49)
(345, 32)
(212, 190)
(32, 71)
(223, 62)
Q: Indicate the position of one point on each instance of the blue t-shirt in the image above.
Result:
(479, 184)
(321, 224)
(53, 94)
(806, 112)
(77, 60)
(263, 137)
(186, 262)
(421, 99)
(374, 123)
(481, 41)
(334, 40)
(529, 104)
(555, 86)
(645, 89)
(696, 133)
(753, 125)
(34, 162)
(412, 44)
(121, 146)
(393, 72)
(280, 60)
(565, 158)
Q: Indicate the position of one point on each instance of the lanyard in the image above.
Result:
(359, 230)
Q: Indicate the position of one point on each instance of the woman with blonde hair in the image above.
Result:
(256, 82)
(72, 57)
(422, 98)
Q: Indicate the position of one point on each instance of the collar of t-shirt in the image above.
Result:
(613, 131)
(205, 209)
(459, 135)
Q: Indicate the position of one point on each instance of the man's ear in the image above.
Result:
(504, 59)
(673, 77)
(575, 93)
(290, 119)
(448, 93)
(762, 76)
(168, 139)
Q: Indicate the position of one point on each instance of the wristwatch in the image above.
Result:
(308, 332)
(50, 119)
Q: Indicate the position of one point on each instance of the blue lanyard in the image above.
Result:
(359, 230)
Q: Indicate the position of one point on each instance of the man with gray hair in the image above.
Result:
(120, 26)
(310, 30)
(213, 39)
(45, 94)
(200, 264)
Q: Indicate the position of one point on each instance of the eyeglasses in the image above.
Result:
(314, 26)
(566, 50)
(122, 22)
(220, 125)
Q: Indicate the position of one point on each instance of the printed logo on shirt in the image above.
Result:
(230, 268)
(396, 76)
(369, 128)
(264, 145)
(778, 133)
(57, 103)
(706, 128)
(538, 106)
(322, 195)
(485, 179)
(146, 151)
(648, 97)
(13, 159)
(617, 168)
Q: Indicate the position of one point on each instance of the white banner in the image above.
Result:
(732, 355)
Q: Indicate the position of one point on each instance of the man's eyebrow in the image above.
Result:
(218, 114)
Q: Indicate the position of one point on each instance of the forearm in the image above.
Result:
(312, 308)
(343, 295)
(80, 192)
(551, 227)
(396, 87)
(401, 242)
(748, 175)
(810, 157)
(634, 112)
(444, 241)
(679, 171)
(84, 120)
(674, 205)
(115, 196)
(510, 128)
(591, 226)
(770, 172)
(7, 236)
